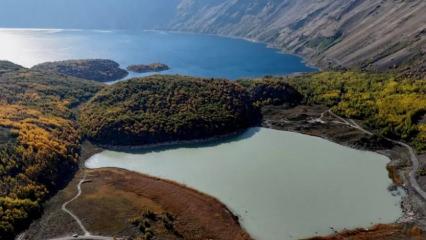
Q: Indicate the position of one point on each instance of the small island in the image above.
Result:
(100, 70)
(142, 68)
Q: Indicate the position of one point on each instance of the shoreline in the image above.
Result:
(309, 63)
(88, 150)
(172, 144)
(396, 168)
(237, 217)
(305, 60)
(397, 190)
(181, 185)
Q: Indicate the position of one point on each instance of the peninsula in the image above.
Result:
(100, 70)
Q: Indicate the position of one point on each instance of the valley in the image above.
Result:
(277, 120)
(282, 103)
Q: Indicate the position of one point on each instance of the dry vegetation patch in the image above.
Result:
(121, 203)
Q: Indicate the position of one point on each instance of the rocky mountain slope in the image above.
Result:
(366, 34)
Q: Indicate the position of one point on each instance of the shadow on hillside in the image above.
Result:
(6, 136)
(212, 142)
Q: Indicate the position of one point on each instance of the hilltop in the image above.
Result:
(100, 70)
(6, 66)
(166, 108)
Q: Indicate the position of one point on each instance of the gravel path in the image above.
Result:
(413, 157)
(87, 235)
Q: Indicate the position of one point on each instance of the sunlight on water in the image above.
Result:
(189, 54)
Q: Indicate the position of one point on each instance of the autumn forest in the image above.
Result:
(44, 117)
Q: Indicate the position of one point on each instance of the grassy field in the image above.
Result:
(117, 202)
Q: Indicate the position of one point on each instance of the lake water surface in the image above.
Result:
(283, 185)
(188, 54)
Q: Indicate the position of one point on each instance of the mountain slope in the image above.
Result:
(367, 34)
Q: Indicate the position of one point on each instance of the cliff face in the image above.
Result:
(367, 34)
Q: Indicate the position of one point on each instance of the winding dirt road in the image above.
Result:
(87, 235)
(413, 157)
(64, 207)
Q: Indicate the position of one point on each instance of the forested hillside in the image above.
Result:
(390, 106)
(39, 141)
(271, 91)
(6, 66)
(40, 136)
(165, 108)
(356, 34)
(101, 70)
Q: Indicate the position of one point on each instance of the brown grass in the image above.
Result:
(113, 197)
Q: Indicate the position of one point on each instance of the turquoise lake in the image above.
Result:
(282, 185)
(187, 54)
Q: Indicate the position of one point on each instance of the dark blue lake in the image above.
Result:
(188, 54)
